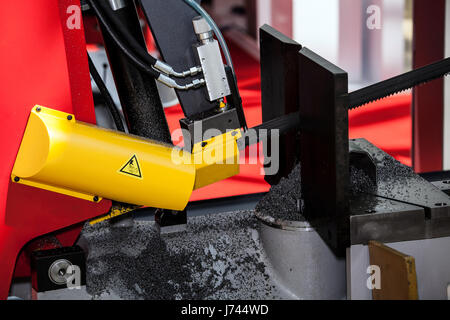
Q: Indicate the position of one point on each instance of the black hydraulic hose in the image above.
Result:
(106, 95)
(136, 61)
(134, 44)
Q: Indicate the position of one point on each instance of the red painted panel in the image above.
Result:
(42, 62)
(429, 40)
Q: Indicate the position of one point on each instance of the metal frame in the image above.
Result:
(279, 86)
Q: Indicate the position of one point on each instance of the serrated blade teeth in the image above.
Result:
(398, 84)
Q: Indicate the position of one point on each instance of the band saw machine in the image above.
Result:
(60, 170)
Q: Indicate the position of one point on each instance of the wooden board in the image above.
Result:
(397, 272)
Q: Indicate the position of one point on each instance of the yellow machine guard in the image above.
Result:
(67, 156)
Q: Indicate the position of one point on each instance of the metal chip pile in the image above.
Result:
(218, 257)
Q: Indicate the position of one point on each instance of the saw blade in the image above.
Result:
(356, 98)
(398, 84)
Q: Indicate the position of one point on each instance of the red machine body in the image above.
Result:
(42, 61)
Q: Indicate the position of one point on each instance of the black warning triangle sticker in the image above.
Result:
(132, 168)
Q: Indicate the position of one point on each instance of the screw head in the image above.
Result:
(38, 109)
(204, 144)
(96, 198)
(69, 117)
(16, 179)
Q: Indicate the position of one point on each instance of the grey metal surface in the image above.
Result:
(239, 203)
(167, 95)
(69, 294)
(444, 185)
(402, 207)
(117, 4)
(213, 206)
(210, 59)
(399, 182)
(432, 258)
(374, 218)
(20, 289)
(202, 29)
(58, 271)
(201, 25)
(357, 262)
(303, 263)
